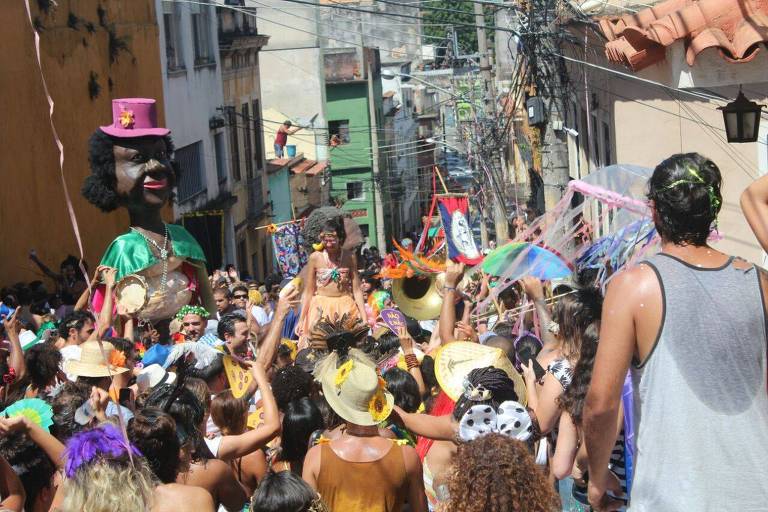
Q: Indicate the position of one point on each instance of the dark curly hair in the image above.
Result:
(494, 380)
(99, 187)
(290, 383)
(572, 400)
(495, 473)
(42, 362)
(685, 190)
(153, 432)
(315, 222)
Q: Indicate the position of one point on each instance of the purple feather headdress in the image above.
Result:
(104, 442)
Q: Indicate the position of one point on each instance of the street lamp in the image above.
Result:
(742, 119)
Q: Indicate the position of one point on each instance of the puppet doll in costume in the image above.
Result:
(160, 267)
(333, 287)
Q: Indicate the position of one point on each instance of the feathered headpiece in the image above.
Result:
(104, 442)
(340, 332)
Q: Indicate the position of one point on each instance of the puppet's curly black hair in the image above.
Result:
(99, 188)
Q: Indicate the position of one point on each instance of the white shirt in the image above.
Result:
(261, 316)
(70, 352)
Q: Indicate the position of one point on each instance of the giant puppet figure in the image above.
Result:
(160, 267)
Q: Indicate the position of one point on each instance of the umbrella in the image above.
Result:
(528, 259)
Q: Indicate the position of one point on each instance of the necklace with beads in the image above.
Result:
(163, 250)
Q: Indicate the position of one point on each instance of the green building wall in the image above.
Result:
(352, 162)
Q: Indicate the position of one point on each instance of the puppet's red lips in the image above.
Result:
(155, 184)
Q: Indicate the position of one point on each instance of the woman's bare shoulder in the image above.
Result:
(182, 498)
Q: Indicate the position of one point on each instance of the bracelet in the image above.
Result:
(411, 361)
(449, 288)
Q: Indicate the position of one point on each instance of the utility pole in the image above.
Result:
(543, 46)
(489, 100)
(378, 207)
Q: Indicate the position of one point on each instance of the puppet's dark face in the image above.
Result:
(145, 177)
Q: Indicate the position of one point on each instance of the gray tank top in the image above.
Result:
(701, 407)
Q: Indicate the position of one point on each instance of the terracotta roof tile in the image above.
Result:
(302, 166)
(317, 168)
(737, 28)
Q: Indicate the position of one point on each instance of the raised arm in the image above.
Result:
(754, 204)
(269, 346)
(309, 292)
(357, 290)
(16, 358)
(11, 488)
(105, 316)
(602, 406)
(441, 428)
(233, 447)
(453, 275)
(407, 343)
(535, 291)
(49, 444)
(42, 266)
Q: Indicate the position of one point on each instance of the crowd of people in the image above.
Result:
(295, 394)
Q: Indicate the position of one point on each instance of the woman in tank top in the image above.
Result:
(360, 470)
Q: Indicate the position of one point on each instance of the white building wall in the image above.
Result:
(192, 96)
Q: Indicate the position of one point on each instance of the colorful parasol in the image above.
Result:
(530, 259)
(35, 409)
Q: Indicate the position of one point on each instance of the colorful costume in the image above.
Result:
(338, 279)
(131, 255)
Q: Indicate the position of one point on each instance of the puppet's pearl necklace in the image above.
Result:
(163, 250)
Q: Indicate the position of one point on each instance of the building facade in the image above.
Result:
(84, 70)
(354, 110)
(192, 86)
(650, 101)
(240, 45)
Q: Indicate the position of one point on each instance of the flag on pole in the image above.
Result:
(454, 212)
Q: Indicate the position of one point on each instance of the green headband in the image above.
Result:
(192, 310)
(714, 202)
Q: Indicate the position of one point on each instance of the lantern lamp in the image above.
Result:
(742, 119)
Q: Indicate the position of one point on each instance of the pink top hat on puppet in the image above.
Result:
(134, 117)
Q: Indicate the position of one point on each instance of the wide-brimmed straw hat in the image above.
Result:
(355, 391)
(92, 361)
(454, 361)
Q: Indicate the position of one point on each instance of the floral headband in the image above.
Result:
(511, 419)
(192, 310)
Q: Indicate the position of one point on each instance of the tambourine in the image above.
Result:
(144, 296)
(132, 293)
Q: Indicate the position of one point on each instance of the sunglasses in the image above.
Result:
(238, 296)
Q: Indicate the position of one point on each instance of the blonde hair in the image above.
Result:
(110, 487)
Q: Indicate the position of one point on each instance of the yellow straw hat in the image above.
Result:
(92, 362)
(354, 389)
(454, 361)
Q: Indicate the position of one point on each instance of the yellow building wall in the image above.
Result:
(33, 211)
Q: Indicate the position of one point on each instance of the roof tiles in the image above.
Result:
(737, 28)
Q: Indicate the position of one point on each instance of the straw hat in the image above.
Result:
(92, 362)
(356, 392)
(454, 361)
